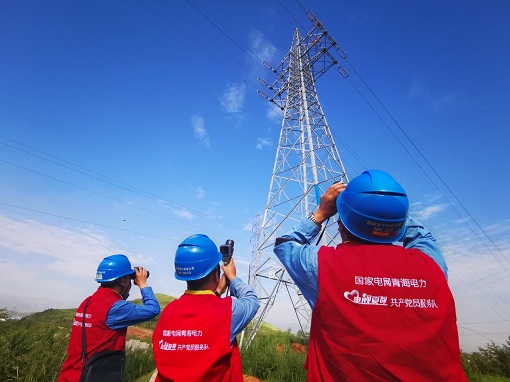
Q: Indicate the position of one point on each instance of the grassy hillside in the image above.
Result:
(163, 300)
(61, 317)
(33, 349)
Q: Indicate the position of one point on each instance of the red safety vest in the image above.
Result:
(383, 313)
(99, 336)
(191, 341)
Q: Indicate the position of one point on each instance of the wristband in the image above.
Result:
(312, 219)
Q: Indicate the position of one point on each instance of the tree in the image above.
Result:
(491, 360)
(4, 314)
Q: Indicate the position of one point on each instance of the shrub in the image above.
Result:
(33, 349)
(271, 357)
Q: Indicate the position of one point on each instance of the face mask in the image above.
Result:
(126, 287)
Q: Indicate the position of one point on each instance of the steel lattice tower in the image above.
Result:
(307, 163)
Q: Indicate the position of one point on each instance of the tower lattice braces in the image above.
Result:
(306, 163)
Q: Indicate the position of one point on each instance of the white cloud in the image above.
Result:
(359, 17)
(199, 130)
(263, 142)
(164, 203)
(74, 252)
(262, 47)
(274, 113)
(428, 212)
(479, 274)
(199, 192)
(184, 214)
(417, 89)
(47, 266)
(232, 99)
(441, 103)
(39, 260)
(499, 228)
(212, 209)
(478, 278)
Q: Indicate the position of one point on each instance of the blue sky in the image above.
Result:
(126, 126)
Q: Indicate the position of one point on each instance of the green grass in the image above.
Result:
(163, 300)
(489, 378)
(271, 358)
(33, 349)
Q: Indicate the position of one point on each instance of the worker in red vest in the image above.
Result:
(107, 316)
(380, 312)
(195, 337)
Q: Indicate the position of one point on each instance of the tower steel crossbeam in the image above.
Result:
(306, 164)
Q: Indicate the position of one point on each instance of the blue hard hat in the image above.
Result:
(195, 258)
(112, 268)
(374, 207)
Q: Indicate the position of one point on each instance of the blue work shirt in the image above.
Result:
(299, 256)
(124, 313)
(244, 306)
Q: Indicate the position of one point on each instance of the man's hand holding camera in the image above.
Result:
(229, 273)
(327, 206)
(140, 277)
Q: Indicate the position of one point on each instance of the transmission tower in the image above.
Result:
(307, 163)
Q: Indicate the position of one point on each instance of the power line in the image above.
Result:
(300, 5)
(436, 173)
(404, 147)
(102, 178)
(236, 72)
(85, 221)
(490, 296)
(481, 334)
(481, 288)
(485, 234)
(204, 48)
(110, 197)
(483, 322)
(222, 30)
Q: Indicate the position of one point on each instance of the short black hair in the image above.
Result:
(199, 284)
(111, 284)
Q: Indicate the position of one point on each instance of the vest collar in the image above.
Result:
(199, 292)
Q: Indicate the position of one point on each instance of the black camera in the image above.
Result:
(133, 275)
(227, 250)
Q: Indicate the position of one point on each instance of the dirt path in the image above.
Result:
(139, 333)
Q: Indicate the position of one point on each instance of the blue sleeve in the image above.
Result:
(123, 313)
(300, 258)
(418, 237)
(244, 306)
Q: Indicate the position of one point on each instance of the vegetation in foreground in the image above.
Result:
(33, 349)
